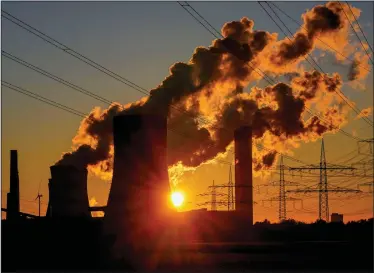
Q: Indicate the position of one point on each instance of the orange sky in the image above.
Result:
(42, 133)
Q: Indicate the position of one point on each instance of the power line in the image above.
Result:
(70, 51)
(341, 95)
(358, 37)
(43, 99)
(340, 130)
(271, 81)
(69, 109)
(301, 25)
(51, 76)
(354, 16)
(286, 33)
(88, 61)
(220, 36)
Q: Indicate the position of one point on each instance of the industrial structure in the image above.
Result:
(68, 195)
(138, 207)
(336, 218)
(243, 173)
(13, 206)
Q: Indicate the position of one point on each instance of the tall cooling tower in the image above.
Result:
(68, 195)
(138, 203)
(243, 173)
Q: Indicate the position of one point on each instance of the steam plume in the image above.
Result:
(365, 112)
(210, 86)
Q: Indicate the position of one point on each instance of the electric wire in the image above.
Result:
(326, 44)
(358, 37)
(263, 74)
(340, 93)
(354, 16)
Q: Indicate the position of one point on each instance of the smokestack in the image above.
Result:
(139, 195)
(243, 172)
(68, 195)
(13, 195)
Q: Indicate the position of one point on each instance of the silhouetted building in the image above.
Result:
(13, 206)
(139, 198)
(243, 173)
(68, 195)
(336, 218)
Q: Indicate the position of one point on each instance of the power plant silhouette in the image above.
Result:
(140, 184)
(140, 226)
(140, 192)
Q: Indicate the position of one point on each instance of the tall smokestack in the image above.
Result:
(13, 195)
(243, 172)
(68, 195)
(139, 195)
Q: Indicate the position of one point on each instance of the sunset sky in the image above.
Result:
(140, 41)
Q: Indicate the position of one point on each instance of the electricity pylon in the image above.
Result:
(323, 189)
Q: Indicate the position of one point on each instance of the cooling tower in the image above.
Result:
(138, 204)
(68, 192)
(13, 195)
(243, 173)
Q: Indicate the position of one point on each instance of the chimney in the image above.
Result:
(13, 207)
(243, 173)
(139, 196)
(68, 195)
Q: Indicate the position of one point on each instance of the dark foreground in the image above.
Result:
(76, 246)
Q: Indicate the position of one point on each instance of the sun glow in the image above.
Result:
(177, 198)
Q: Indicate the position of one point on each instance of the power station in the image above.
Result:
(140, 228)
(139, 214)
(140, 185)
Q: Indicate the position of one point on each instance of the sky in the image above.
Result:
(140, 41)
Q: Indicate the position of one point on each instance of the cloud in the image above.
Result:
(365, 113)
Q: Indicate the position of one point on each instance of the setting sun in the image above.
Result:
(177, 198)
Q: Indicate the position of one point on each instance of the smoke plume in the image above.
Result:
(204, 99)
(365, 112)
(324, 27)
(359, 68)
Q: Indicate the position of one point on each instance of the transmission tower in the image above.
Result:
(282, 192)
(323, 189)
(213, 194)
(323, 212)
(214, 198)
(230, 195)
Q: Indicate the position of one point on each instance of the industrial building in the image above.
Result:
(336, 218)
(68, 195)
(138, 209)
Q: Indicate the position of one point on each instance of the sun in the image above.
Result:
(177, 198)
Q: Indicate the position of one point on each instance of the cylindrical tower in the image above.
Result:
(139, 196)
(13, 207)
(68, 195)
(243, 173)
